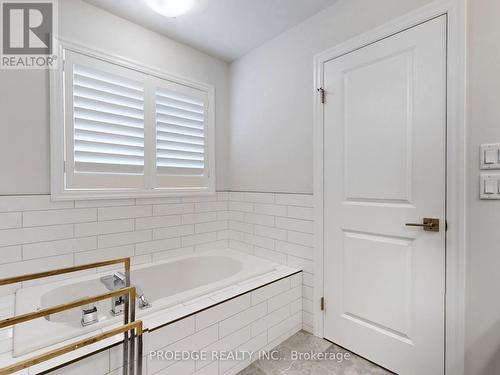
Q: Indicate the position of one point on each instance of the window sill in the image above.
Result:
(68, 195)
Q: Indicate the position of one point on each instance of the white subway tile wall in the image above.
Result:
(278, 227)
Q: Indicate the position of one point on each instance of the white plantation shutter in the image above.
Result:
(127, 132)
(181, 135)
(109, 122)
(106, 143)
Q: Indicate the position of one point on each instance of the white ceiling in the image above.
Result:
(224, 28)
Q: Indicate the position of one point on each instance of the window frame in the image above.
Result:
(59, 135)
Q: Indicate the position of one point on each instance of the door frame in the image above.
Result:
(455, 11)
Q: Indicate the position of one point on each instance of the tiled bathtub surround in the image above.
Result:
(278, 227)
(258, 317)
(37, 234)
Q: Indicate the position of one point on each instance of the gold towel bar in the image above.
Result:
(67, 306)
(137, 325)
(128, 291)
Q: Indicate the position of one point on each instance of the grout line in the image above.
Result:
(263, 192)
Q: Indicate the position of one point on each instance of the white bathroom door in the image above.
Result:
(384, 167)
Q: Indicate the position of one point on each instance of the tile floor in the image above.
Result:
(336, 361)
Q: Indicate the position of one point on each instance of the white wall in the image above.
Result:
(24, 104)
(272, 96)
(483, 248)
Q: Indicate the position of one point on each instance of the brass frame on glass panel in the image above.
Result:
(135, 328)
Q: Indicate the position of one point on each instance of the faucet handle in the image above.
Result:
(138, 291)
(117, 305)
(89, 315)
(141, 298)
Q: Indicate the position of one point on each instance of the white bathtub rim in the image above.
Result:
(42, 288)
(29, 299)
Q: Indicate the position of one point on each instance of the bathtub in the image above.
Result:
(166, 284)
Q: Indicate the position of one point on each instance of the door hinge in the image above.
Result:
(321, 91)
(322, 303)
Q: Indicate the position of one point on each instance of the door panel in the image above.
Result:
(384, 166)
(371, 265)
(386, 104)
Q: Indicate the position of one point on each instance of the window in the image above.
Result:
(119, 130)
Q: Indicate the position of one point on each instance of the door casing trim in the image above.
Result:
(455, 10)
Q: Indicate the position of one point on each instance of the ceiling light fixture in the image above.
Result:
(170, 8)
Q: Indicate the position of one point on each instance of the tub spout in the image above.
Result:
(119, 278)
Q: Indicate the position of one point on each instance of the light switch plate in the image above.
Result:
(490, 187)
(490, 156)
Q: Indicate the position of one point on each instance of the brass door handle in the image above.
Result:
(429, 225)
